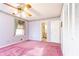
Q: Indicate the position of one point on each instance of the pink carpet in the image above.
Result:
(32, 48)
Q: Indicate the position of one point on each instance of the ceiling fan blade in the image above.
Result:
(28, 13)
(29, 7)
(35, 12)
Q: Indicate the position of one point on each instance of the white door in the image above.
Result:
(55, 31)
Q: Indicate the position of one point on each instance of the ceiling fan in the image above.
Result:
(22, 8)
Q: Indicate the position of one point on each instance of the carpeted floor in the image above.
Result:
(32, 48)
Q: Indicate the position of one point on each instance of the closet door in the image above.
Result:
(55, 31)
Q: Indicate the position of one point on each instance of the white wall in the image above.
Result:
(70, 38)
(53, 30)
(66, 41)
(77, 20)
(34, 30)
(76, 32)
(7, 29)
(64, 18)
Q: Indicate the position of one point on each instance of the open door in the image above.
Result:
(44, 36)
(51, 31)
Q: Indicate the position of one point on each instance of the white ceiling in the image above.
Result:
(43, 10)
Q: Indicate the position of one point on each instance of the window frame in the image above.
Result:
(24, 27)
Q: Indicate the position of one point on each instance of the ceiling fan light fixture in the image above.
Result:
(20, 8)
(28, 6)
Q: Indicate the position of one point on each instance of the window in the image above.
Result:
(20, 25)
